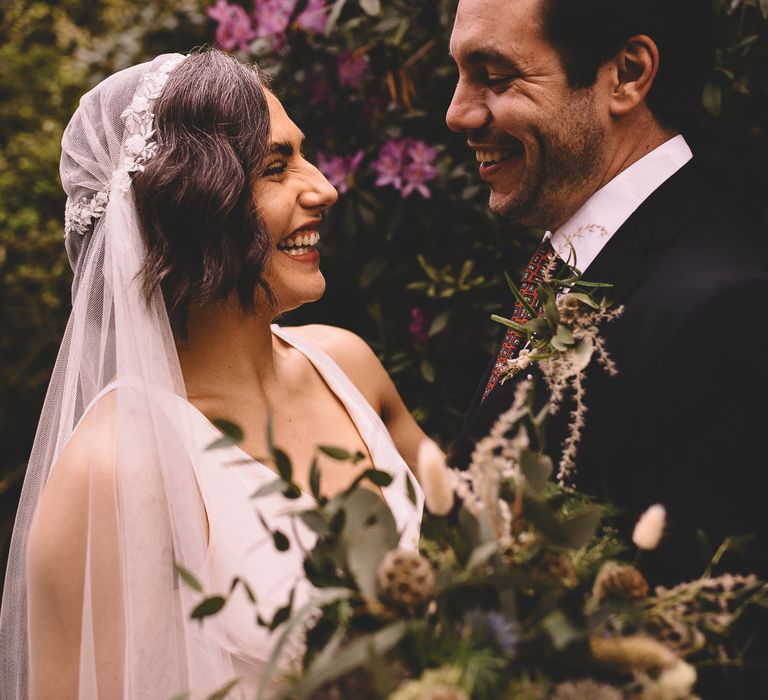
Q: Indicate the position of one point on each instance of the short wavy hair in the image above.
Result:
(204, 238)
(587, 33)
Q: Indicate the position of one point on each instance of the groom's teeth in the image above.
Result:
(491, 156)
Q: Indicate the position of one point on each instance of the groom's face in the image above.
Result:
(539, 143)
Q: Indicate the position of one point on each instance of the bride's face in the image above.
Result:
(291, 196)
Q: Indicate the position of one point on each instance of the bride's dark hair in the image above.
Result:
(204, 237)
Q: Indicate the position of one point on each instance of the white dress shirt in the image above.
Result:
(592, 226)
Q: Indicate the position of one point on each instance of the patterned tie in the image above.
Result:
(513, 341)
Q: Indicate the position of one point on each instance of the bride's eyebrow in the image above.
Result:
(285, 148)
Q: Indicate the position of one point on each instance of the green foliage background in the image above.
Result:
(383, 256)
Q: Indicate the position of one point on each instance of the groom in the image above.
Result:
(576, 109)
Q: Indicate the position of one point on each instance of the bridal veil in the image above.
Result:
(124, 507)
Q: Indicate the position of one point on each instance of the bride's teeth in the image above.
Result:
(299, 244)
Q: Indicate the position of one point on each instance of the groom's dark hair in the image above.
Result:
(587, 33)
(205, 240)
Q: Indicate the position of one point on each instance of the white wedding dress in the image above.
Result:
(240, 546)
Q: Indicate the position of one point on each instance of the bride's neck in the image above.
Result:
(226, 348)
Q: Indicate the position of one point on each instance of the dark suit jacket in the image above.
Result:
(685, 421)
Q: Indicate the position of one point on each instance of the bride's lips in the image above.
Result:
(301, 245)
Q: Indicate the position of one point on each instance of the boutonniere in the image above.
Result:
(562, 338)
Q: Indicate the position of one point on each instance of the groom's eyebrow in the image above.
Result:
(491, 55)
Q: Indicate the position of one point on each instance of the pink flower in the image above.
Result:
(235, 29)
(352, 68)
(418, 327)
(390, 163)
(340, 170)
(416, 174)
(272, 17)
(407, 165)
(314, 17)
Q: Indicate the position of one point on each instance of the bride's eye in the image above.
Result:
(275, 168)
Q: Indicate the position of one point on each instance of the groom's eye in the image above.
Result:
(495, 81)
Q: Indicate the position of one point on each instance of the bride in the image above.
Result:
(192, 222)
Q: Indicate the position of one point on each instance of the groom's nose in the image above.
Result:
(467, 110)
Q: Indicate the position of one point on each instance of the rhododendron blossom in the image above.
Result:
(340, 170)
(235, 30)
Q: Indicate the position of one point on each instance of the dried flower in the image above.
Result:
(437, 480)
(617, 580)
(650, 527)
(635, 652)
(436, 684)
(586, 689)
(569, 307)
(406, 578)
(673, 683)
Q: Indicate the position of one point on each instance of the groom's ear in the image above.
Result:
(631, 73)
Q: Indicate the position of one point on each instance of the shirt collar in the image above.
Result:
(592, 226)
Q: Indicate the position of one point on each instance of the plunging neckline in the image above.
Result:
(313, 354)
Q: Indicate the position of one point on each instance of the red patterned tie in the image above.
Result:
(513, 341)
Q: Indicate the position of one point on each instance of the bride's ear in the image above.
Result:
(631, 74)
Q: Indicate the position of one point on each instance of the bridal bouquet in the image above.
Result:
(520, 587)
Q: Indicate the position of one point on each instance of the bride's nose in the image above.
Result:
(319, 193)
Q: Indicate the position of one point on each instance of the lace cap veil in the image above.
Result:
(113, 407)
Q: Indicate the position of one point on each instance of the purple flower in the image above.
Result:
(272, 17)
(495, 629)
(314, 17)
(407, 165)
(390, 163)
(418, 327)
(415, 175)
(340, 170)
(235, 29)
(352, 68)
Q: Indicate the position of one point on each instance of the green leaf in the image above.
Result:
(283, 464)
(585, 299)
(377, 477)
(270, 488)
(237, 581)
(439, 323)
(410, 489)
(223, 692)
(282, 544)
(560, 629)
(314, 480)
(427, 371)
(510, 324)
(336, 453)
(480, 555)
(326, 597)
(270, 434)
(282, 614)
(231, 430)
(315, 522)
(581, 528)
(210, 606)
(564, 335)
(712, 98)
(371, 7)
(540, 327)
(536, 468)
(362, 650)
(333, 16)
(518, 295)
(188, 577)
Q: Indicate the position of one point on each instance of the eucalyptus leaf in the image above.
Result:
(188, 577)
(581, 528)
(564, 335)
(314, 479)
(210, 606)
(231, 430)
(282, 543)
(326, 597)
(536, 468)
(315, 522)
(378, 477)
(283, 464)
(270, 488)
(356, 654)
(560, 629)
(336, 453)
